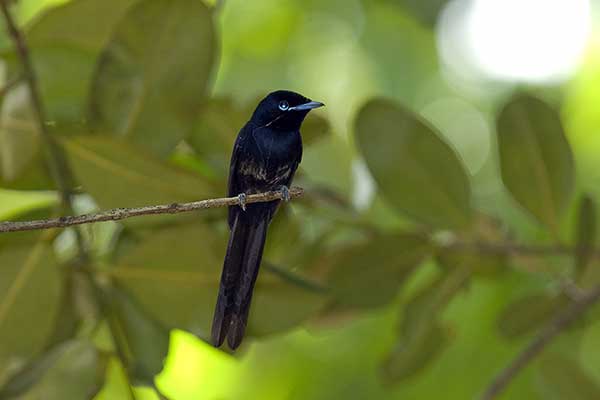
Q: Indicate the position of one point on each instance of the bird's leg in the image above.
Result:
(285, 193)
(242, 200)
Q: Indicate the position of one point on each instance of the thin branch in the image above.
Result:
(507, 248)
(56, 161)
(553, 329)
(295, 279)
(118, 214)
(8, 86)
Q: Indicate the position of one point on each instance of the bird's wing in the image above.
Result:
(233, 185)
(295, 163)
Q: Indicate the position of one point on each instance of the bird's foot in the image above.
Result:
(242, 200)
(285, 193)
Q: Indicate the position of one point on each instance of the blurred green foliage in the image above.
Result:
(404, 272)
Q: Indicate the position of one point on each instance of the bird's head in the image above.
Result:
(283, 110)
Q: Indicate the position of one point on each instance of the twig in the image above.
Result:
(123, 213)
(56, 162)
(10, 84)
(295, 279)
(507, 248)
(553, 329)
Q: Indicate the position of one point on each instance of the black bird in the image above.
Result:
(265, 157)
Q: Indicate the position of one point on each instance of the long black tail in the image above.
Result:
(240, 269)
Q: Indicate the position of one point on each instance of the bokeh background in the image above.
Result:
(451, 184)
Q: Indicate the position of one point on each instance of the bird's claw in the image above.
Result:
(242, 200)
(285, 193)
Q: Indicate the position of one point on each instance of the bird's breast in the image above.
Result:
(269, 159)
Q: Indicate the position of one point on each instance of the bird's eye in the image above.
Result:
(284, 105)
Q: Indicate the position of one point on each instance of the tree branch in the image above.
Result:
(57, 163)
(118, 214)
(553, 329)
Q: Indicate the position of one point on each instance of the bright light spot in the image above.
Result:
(516, 40)
(196, 370)
(536, 40)
(364, 185)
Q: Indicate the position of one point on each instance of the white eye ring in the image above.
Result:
(284, 105)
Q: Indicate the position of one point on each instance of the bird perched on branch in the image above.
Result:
(265, 157)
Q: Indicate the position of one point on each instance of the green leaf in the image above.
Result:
(30, 294)
(73, 370)
(34, 177)
(19, 136)
(562, 378)
(279, 305)
(141, 341)
(86, 24)
(77, 295)
(586, 235)
(416, 352)
(174, 273)
(117, 382)
(22, 162)
(14, 203)
(399, 50)
(215, 130)
(29, 374)
(535, 158)
(371, 274)
(486, 265)
(422, 335)
(65, 43)
(416, 171)
(297, 280)
(529, 313)
(154, 73)
(64, 73)
(425, 11)
(286, 245)
(118, 174)
(433, 299)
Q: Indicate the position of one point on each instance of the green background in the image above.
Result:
(376, 285)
